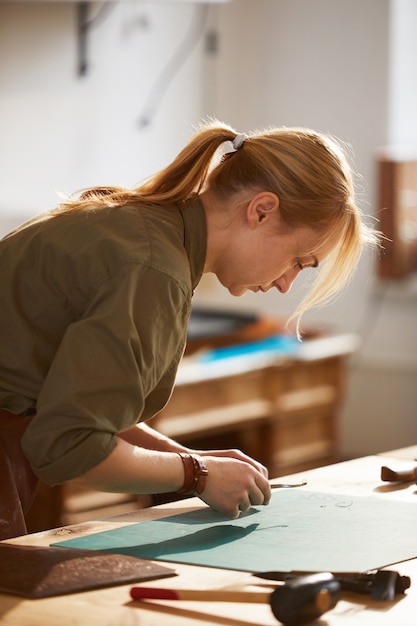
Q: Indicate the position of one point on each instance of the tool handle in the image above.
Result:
(404, 472)
(199, 595)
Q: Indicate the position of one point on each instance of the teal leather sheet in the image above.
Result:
(298, 530)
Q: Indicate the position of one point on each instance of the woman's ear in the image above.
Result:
(263, 206)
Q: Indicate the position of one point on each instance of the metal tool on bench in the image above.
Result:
(288, 485)
(379, 584)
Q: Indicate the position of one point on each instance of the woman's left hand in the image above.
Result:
(233, 454)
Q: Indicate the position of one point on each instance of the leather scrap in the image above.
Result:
(35, 572)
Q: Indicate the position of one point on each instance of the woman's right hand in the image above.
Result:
(234, 485)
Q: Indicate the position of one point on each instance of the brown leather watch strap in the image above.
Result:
(195, 474)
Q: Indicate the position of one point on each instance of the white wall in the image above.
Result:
(342, 66)
(402, 122)
(59, 131)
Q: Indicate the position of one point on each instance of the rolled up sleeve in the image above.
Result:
(129, 339)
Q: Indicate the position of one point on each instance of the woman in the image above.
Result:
(97, 295)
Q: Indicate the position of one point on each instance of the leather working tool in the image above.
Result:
(399, 472)
(380, 584)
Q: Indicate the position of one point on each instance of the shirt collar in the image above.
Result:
(195, 238)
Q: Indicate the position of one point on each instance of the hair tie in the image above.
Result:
(239, 140)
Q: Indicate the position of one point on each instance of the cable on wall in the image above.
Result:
(177, 60)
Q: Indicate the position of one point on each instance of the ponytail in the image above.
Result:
(175, 185)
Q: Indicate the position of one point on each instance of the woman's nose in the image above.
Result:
(284, 283)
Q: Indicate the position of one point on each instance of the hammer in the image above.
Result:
(298, 601)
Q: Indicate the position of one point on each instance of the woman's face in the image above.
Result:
(266, 261)
(258, 252)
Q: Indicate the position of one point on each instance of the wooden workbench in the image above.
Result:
(113, 606)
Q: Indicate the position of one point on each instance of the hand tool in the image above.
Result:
(399, 472)
(380, 584)
(297, 601)
(288, 485)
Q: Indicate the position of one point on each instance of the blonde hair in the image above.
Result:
(307, 170)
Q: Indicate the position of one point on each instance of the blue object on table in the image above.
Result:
(277, 344)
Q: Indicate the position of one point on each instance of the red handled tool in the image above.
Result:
(297, 601)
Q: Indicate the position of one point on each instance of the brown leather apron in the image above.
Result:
(18, 482)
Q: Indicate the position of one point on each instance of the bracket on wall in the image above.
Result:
(83, 26)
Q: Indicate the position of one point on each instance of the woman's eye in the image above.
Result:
(299, 265)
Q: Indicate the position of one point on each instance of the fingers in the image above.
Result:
(263, 490)
(238, 455)
(244, 506)
(254, 497)
(233, 486)
(267, 493)
(257, 496)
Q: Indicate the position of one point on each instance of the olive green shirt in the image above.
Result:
(93, 319)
